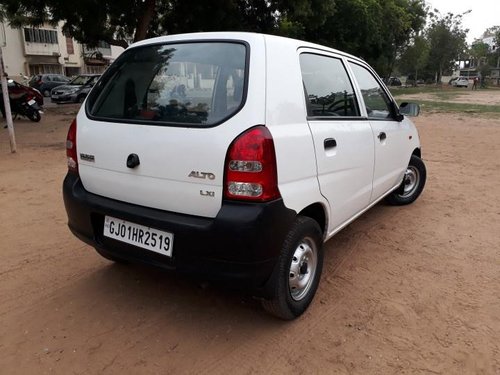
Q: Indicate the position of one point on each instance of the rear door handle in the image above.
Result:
(382, 136)
(329, 143)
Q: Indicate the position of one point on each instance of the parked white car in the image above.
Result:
(460, 82)
(234, 156)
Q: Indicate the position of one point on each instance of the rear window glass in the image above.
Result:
(81, 80)
(191, 84)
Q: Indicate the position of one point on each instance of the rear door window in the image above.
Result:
(329, 92)
(198, 84)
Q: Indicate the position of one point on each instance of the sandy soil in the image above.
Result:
(410, 290)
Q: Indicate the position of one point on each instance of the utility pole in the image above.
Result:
(6, 102)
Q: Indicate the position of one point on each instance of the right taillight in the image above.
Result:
(250, 168)
(71, 148)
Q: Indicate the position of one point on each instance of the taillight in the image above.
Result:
(71, 148)
(250, 169)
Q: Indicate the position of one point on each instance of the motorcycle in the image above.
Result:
(25, 106)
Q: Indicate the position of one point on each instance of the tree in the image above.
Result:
(479, 51)
(222, 15)
(376, 30)
(446, 37)
(89, 21)
(415, 57)
(120, 21)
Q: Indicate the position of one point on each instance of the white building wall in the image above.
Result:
(13, 54)
(115, 52)
(17, 53)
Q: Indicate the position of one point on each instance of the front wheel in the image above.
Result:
(298, 270)
(412, 185)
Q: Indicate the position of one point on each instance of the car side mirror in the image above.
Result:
(409, 109)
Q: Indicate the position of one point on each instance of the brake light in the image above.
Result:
(250, 168)
(71, 154)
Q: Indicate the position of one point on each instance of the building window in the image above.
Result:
(69, 46)
(45, 69)
(40, 36)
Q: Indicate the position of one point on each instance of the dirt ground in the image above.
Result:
(404, 290)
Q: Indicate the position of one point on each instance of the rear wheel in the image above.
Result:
(299, 270)
(34, 115)
(412, 185)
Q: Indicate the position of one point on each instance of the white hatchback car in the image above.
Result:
(460, 82)
(234, 156)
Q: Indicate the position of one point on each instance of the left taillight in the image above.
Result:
(71, 154)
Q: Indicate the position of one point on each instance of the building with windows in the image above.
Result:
(46, 49)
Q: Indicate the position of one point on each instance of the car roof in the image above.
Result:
(233, 35)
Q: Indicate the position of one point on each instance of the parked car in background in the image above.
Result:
(46, 82)
(17, 90)
(393, 81)
(460, 82)
(76, 90)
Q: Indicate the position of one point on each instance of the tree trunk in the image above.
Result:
(117, 42)
(146, 15)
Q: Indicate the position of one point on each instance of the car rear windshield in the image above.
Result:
(80, 80)
(194, 84)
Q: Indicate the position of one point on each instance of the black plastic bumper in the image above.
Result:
(241, 244)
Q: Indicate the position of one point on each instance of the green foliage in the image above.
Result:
(376, 30)
(88, 21)
(415, 57)
(479, 50)
(446, 37)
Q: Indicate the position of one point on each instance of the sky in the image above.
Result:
(484, 14)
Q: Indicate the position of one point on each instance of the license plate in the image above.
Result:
(31, 102)
(55, 96)
(139, 235)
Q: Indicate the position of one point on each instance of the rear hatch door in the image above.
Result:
(157, 126)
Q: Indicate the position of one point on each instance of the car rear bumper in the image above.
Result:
(241, 244)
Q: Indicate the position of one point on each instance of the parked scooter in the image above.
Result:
(27, 107)
(22, 103)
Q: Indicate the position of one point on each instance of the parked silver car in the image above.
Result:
(75, 91)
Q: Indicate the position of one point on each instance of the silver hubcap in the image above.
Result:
(302, 269)
(410, 181)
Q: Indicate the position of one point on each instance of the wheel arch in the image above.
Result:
(317, 212)
(417, 152)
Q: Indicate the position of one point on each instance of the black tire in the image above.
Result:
(412, 185)
(34, 115)
(302, 251)
(80, 99)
